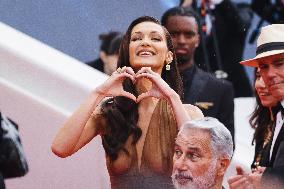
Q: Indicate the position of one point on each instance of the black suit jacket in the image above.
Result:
(2, 184)
(215, 97)
(273, 176)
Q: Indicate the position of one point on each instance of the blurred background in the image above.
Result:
(73, 26)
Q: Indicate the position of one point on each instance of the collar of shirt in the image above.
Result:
(278, 126)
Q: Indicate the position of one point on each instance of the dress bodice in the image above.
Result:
(156, 161)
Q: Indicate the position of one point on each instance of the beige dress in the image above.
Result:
(156, 162)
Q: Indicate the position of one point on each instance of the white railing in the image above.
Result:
(40, 87)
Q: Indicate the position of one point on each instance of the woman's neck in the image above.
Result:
(142, 86)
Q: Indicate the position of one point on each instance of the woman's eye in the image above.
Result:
(156, 39)
(135, 38)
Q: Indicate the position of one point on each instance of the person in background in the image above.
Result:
(203, 152)
(269, 11)
(215, 97)
(270, 62)
(141, 115)
(225, 25)
(262, 120)
(2, 183)
(13, 162)
(110, 43)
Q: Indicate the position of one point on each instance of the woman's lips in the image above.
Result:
(145, 52)
(263, 92)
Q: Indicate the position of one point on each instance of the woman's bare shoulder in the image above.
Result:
(193, 111)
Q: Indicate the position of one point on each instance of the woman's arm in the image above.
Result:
(81, 127)
(183, 112)
(75, 132)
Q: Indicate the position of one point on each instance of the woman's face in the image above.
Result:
(148, 47)
(267, 100)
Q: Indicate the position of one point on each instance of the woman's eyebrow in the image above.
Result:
(137, 32)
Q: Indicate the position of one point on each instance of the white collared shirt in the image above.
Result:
(278, 126)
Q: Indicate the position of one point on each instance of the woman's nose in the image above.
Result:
(145, 42)
(259, 83)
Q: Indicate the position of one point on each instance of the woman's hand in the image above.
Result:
(113, 86)
(160, 89)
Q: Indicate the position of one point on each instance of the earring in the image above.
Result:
(168, 66)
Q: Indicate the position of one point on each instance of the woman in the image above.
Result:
(262, 121)
(139, 122)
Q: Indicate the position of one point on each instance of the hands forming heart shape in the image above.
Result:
(113, 86)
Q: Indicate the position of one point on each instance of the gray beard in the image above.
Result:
(206, 181)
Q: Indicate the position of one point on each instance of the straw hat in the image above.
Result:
(270, 43)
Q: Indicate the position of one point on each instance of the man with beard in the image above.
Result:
(203, 151)
(215, 97)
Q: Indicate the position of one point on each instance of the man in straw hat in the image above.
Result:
(270, 61)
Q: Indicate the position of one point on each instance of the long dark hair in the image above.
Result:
(260, 120)
(121, 113)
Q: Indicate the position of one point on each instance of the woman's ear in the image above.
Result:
(169, 57)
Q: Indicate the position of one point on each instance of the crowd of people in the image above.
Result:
(166, 112)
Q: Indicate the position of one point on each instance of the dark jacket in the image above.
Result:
(273, 176)
(97, 64)
(273, 13)
(231, 23)
(2, 184)
(215, 97)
